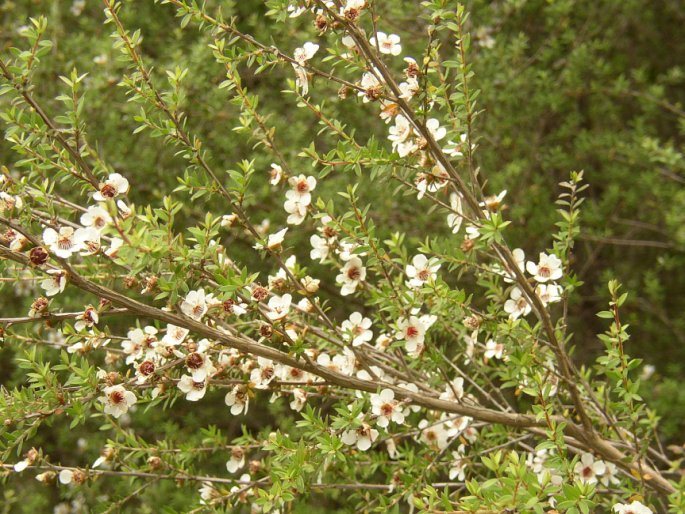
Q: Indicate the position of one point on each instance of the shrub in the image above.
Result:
(280, 258)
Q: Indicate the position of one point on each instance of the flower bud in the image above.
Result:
(154, 462)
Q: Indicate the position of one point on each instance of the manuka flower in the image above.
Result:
(301, 56)
(356, 329)
(422, 270)
(351, 275)
(114, 186)
(384, 406)
(549, 267)
(117, 400)
(387, 44)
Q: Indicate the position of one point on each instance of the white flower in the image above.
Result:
(456, 217)
(194, 391)
(517, 305)
(635, 507)
(117, 400)
(55, 283)
(114, 246)
(610, 476)
(456, 426)
(342, 363)
(547, 268)
(263, 374)
(387, 44)
(371, 87)
(114, 186)
(548, 293)
(492, 203)
(303, 186)
(409, 88)
(536, 461)
(352, 9)
(87, 319)
(62, 243)
(493, 349)
(199, 364)
(347, 250)
(458, 466)
(237, 460)
(21, 465)
(306, 52)
(279, 306)
(433, 181)
(520, 260)
(237, 399)
(296, 207)
(195, 304)
(454, 390)
(295, 11)
(456, 149)
(320, 248)
(351, 275)
(422, 270)
(299, 399)
(356, 329)
(274, 241)
(66, 476)
(88, 239)
(96, 216)
(301, 56)
(228, 220)
(276, 174)
(363, 437)
(386, 408)
(30, 458)
(174, 335)
(400, 136)
(587, 468)
(9, 202)
(433, 126)
(433, 435)
(472, 232)
(124, 210)
(413, 332)
(647, 371)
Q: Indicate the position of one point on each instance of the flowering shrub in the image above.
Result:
(431, 373)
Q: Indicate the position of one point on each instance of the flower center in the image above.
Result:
(116, 397)
(412, 331)
(195, 360)
(354, 273)
(424, 274)
(64, 242)
(108, 191)
(147, 368)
